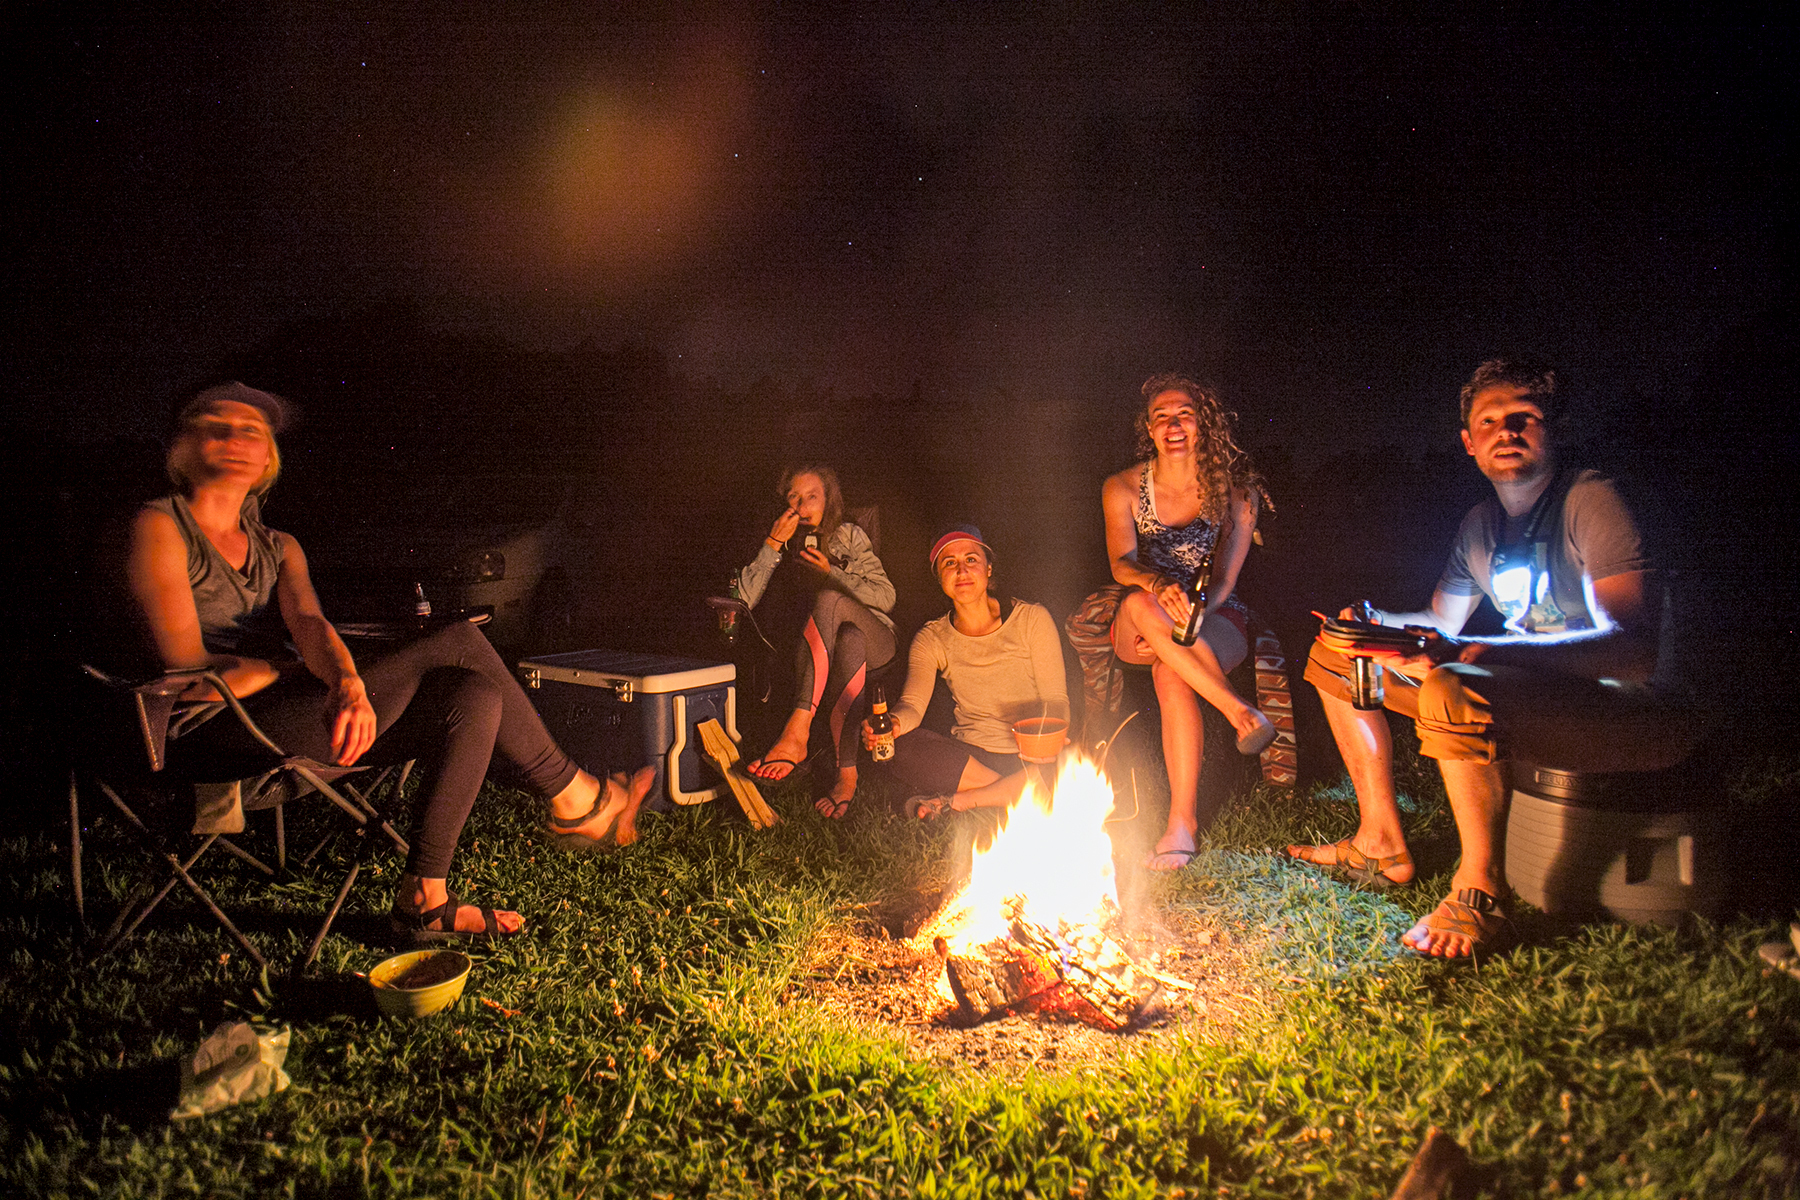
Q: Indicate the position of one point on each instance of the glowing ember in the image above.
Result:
(1053, 858)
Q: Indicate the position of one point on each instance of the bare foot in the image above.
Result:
(422, 895)
(1467, 921)
(930, 808)
(1370, 861)
(1254, 731)
(615, 810)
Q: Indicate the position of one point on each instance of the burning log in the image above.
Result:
(1092, 965)
(996, 977)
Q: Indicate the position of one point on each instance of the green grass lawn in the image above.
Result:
(644, 1042)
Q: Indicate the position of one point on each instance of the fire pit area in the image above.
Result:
(1033, 960)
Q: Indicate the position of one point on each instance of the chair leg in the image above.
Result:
(361, 817)
(280, 836)
(180, 874)
(75, 854)
(337, 904)
(236, 851)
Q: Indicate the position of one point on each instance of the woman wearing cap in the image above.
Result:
(1002, 661)
(1194, 497)
(846, 633)
(216, 588)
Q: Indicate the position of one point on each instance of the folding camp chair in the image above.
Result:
(132, 751)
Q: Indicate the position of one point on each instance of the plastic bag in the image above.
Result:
(238, 1061)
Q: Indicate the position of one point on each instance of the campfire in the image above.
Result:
(1034, 929)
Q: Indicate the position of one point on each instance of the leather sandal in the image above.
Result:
(1354, 865)
(1470, 913)
(414, 929)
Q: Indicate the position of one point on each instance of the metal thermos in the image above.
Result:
(1366, 691)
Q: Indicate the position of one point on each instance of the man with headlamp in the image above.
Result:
(1568, 684)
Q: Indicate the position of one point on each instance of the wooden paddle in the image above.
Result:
(724, 753)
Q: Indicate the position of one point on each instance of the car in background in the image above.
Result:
(466, 539)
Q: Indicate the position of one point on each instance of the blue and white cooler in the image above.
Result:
(614, 711)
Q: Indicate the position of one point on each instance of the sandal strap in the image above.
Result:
(1346, 857)
(1356, 862)
(571, 824)
(430, 919)
(1470, 913)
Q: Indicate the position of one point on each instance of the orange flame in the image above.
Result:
(1053, 852)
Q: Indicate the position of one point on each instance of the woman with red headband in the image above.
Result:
(1002, 661)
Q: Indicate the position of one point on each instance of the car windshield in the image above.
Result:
(397, 500)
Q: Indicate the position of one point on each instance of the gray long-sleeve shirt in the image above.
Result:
(854, 570)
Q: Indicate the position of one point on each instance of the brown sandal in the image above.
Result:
(1356, 866)
(1470, 913)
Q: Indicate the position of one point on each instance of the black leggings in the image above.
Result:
(840, 643)
(446, 700)
(931, 764)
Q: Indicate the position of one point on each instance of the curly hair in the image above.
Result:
(833, 515)
(1222, 463)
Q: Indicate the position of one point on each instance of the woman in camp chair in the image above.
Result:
(216, 588)
(1192, 502)
(846, 632)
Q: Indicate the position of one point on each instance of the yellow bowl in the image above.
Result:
(446, 972)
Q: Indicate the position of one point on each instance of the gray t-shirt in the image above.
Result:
(1589, 535)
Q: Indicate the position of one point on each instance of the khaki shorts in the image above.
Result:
(1469, 713)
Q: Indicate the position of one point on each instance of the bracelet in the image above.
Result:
(770, 541)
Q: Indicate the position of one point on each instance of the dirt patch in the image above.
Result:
(864, 976)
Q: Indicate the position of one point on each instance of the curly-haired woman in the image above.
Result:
(1193, 496)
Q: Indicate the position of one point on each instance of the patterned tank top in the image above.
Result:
(1166, 549)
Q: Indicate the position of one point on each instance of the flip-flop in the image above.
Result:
(1473, 914)
(1359, 868)
(1187, 856)
(413, 929)
(1258, 739)
(834, 810)
(754, 770)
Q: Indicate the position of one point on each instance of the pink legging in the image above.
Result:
(841, 642)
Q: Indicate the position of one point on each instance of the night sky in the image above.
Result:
(1335, 209)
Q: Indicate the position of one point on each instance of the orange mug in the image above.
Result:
(1040, 738)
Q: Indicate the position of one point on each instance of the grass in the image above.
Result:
(653, 1053)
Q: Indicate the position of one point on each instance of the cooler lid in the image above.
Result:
(645, 672)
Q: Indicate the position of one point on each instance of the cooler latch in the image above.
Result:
(531, 677)
(621, 690)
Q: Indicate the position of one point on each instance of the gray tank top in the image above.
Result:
(238, 613)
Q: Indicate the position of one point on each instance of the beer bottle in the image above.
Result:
(881, 725)
(1189, 632)
(421, 606)
(728, 617)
